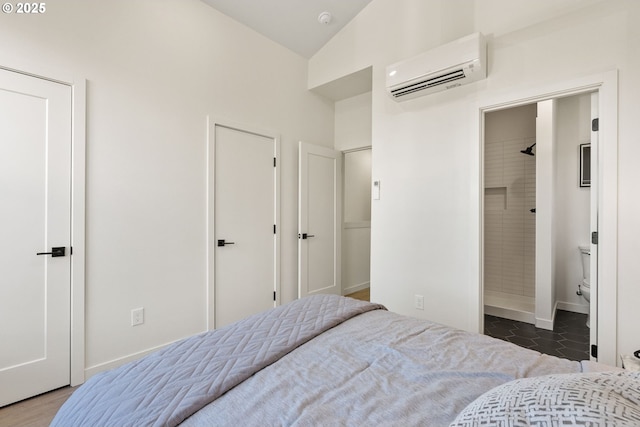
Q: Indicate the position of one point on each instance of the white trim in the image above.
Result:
(278, 241)
(78, 230)
(353, 150)
(545, 250)
(573, 307)
(607, 85)
(208, 227)
(511, 314)
(115, 363)
(548, 323)
(210, 209)
(356, 224)
(44, 73)
(594, 195)
(509, 306)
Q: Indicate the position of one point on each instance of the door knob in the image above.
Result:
(55, 252)
(223, 242)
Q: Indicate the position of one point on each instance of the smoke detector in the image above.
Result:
(325, 18)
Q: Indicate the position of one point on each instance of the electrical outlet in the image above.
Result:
(137, 316)
(419, 302)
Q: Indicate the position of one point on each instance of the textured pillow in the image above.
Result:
(592, 399)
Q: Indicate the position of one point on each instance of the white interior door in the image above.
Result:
(35, 185)
(593, 258)
(319, 220)
(245, 242)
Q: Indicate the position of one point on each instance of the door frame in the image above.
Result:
(606, 84)
(78, 86)
(353, 224)
(212, 122)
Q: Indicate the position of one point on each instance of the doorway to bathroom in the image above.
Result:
(537, 213)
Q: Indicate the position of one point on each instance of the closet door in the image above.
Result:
(319, 220)
(35, 225)
(244, 234)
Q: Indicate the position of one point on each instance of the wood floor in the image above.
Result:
(40, 410)
(364, 295)
(35, 412)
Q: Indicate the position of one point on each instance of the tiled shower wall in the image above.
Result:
(509, 226)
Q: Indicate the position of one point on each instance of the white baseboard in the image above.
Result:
(510, 306)
(112, 364)
(547, 323)
(573, 307)
(510, 313)
(544, 324)
(355, 288)
(497, 307)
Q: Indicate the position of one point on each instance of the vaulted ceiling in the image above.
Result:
(292, 23)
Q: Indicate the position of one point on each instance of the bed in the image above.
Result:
(329, 360)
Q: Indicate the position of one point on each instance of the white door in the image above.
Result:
(35, 200)
(319, 220)
(244, 242)
(593, 258)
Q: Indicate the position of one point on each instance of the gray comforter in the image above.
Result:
(377, 369)
(166, 387)
(369, 367)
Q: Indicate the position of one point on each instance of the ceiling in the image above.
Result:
(292, 23)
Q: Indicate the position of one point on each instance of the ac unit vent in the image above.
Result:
(430, 82)
(451, 65)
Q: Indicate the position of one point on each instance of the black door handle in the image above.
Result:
(55, 252)
(305, 236)
(223, 242)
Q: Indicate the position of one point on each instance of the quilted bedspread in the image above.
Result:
(377, 369)
(166, 387)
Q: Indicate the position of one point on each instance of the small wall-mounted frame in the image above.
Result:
(585, 165)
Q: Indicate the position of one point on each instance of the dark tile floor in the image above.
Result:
(569, 339)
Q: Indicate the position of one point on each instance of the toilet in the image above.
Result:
(584, 288)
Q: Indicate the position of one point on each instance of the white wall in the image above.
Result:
(155, 69)
(357, 185)
(572, 202)
(353, 122)
(425, 237)
(353, 132)
(545, 220)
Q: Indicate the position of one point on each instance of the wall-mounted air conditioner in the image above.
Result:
(450, 65)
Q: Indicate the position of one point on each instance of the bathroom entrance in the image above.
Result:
(537, 214)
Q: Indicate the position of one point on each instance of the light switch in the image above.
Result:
(376, 190)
